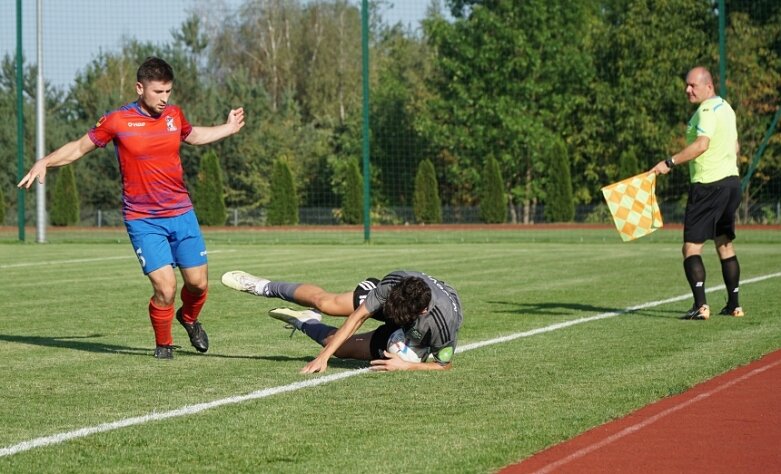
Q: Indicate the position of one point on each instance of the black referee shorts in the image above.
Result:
(710, 210)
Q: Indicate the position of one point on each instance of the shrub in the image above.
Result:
(2, 206)
(352, 198)
(493, 200)
(559, 204)
(425, 200)
(209, 198)
(64, 209)
(283, 203)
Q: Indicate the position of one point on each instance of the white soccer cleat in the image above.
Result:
(293, 318)
(243, 281)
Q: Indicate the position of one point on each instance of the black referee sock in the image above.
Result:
(695, 274)
(730, 270)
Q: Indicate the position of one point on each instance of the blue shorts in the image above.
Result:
(175, 241)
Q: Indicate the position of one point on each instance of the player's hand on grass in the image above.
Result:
(392, 363)
(317, 365)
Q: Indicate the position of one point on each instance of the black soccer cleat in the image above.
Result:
(198, 337)
(164, 352)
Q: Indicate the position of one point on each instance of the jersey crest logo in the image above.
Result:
(100, 121)
(414, 334)
(169, 123)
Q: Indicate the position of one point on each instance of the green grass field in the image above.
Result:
(76, 349)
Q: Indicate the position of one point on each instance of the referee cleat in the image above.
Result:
(198, 337)
(243, 281)
(700, 314)
(294, 319)
(734, 312)
(164, 352)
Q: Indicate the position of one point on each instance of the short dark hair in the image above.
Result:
(154, 69)
(406, 301)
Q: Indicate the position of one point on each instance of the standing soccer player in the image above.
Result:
(714, 193)
(157, 209)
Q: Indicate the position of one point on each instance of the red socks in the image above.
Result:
(161, 323)
(162, 318)
(192, 304)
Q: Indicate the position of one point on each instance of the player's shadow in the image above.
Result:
(82, 343)
(552, 309)
(334, 362)
(79, 343)
(569, 309)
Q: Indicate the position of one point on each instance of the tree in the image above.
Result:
(642, 52)
(2, 206)
(425, 201)
(402, 63)
(493, 200)
(559, 206)
(508, 74)
(753, 84)
(283, 204)
(65, 199)
(209, 197)
(352, 197)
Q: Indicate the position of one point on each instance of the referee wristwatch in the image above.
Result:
(670, 162)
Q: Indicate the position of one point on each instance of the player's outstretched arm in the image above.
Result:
(394, 362)
(350, 326)
(62, 156)
(205, 135)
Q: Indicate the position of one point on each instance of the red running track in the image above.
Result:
(730, 424)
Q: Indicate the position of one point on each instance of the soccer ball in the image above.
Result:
(397, 344)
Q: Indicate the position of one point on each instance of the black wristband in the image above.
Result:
(669, 162)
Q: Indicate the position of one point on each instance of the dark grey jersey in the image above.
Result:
(435, 331)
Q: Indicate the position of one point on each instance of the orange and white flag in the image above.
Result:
(632, 202)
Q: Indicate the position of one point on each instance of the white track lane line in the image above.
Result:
(640, 425)
(313, 382)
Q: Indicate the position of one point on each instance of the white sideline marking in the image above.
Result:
(83, 260)
(640, 425)
(565, 324)
(267, 392)
(65, 262)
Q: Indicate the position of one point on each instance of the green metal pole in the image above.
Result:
(365, 74)
(722, 50)
(19, 119)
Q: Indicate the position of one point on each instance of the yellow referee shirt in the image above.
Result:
(714, 119)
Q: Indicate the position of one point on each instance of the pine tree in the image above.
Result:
(352, 198)
(65, 200)
(493, 200)
(283, 205)
(2, 206)
(209, 198)
(425, 200)
(559, 204)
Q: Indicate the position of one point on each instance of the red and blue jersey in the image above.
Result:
(147, 150)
